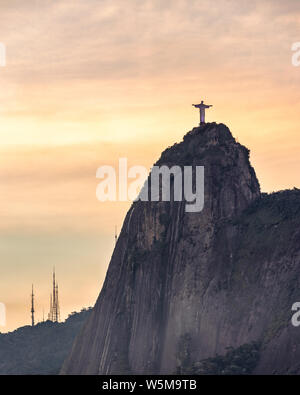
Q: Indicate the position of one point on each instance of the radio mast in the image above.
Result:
(32, 307)
(54, 313)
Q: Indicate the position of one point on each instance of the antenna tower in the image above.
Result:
(54, 313)
(32, 307)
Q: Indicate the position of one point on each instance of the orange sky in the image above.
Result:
(89, 81)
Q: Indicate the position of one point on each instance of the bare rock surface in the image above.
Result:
(182, 287)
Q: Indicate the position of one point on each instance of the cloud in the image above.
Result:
(81, 39)
(89, 81)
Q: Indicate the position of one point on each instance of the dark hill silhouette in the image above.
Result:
(40, 349)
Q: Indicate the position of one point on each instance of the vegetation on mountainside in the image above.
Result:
(40, 349)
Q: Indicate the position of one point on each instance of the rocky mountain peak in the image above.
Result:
(183, 286)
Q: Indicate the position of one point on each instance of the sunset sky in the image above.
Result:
(89, 81)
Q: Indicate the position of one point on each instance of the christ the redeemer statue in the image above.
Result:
(202, 107)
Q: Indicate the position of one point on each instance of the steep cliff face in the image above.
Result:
(182, 287)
